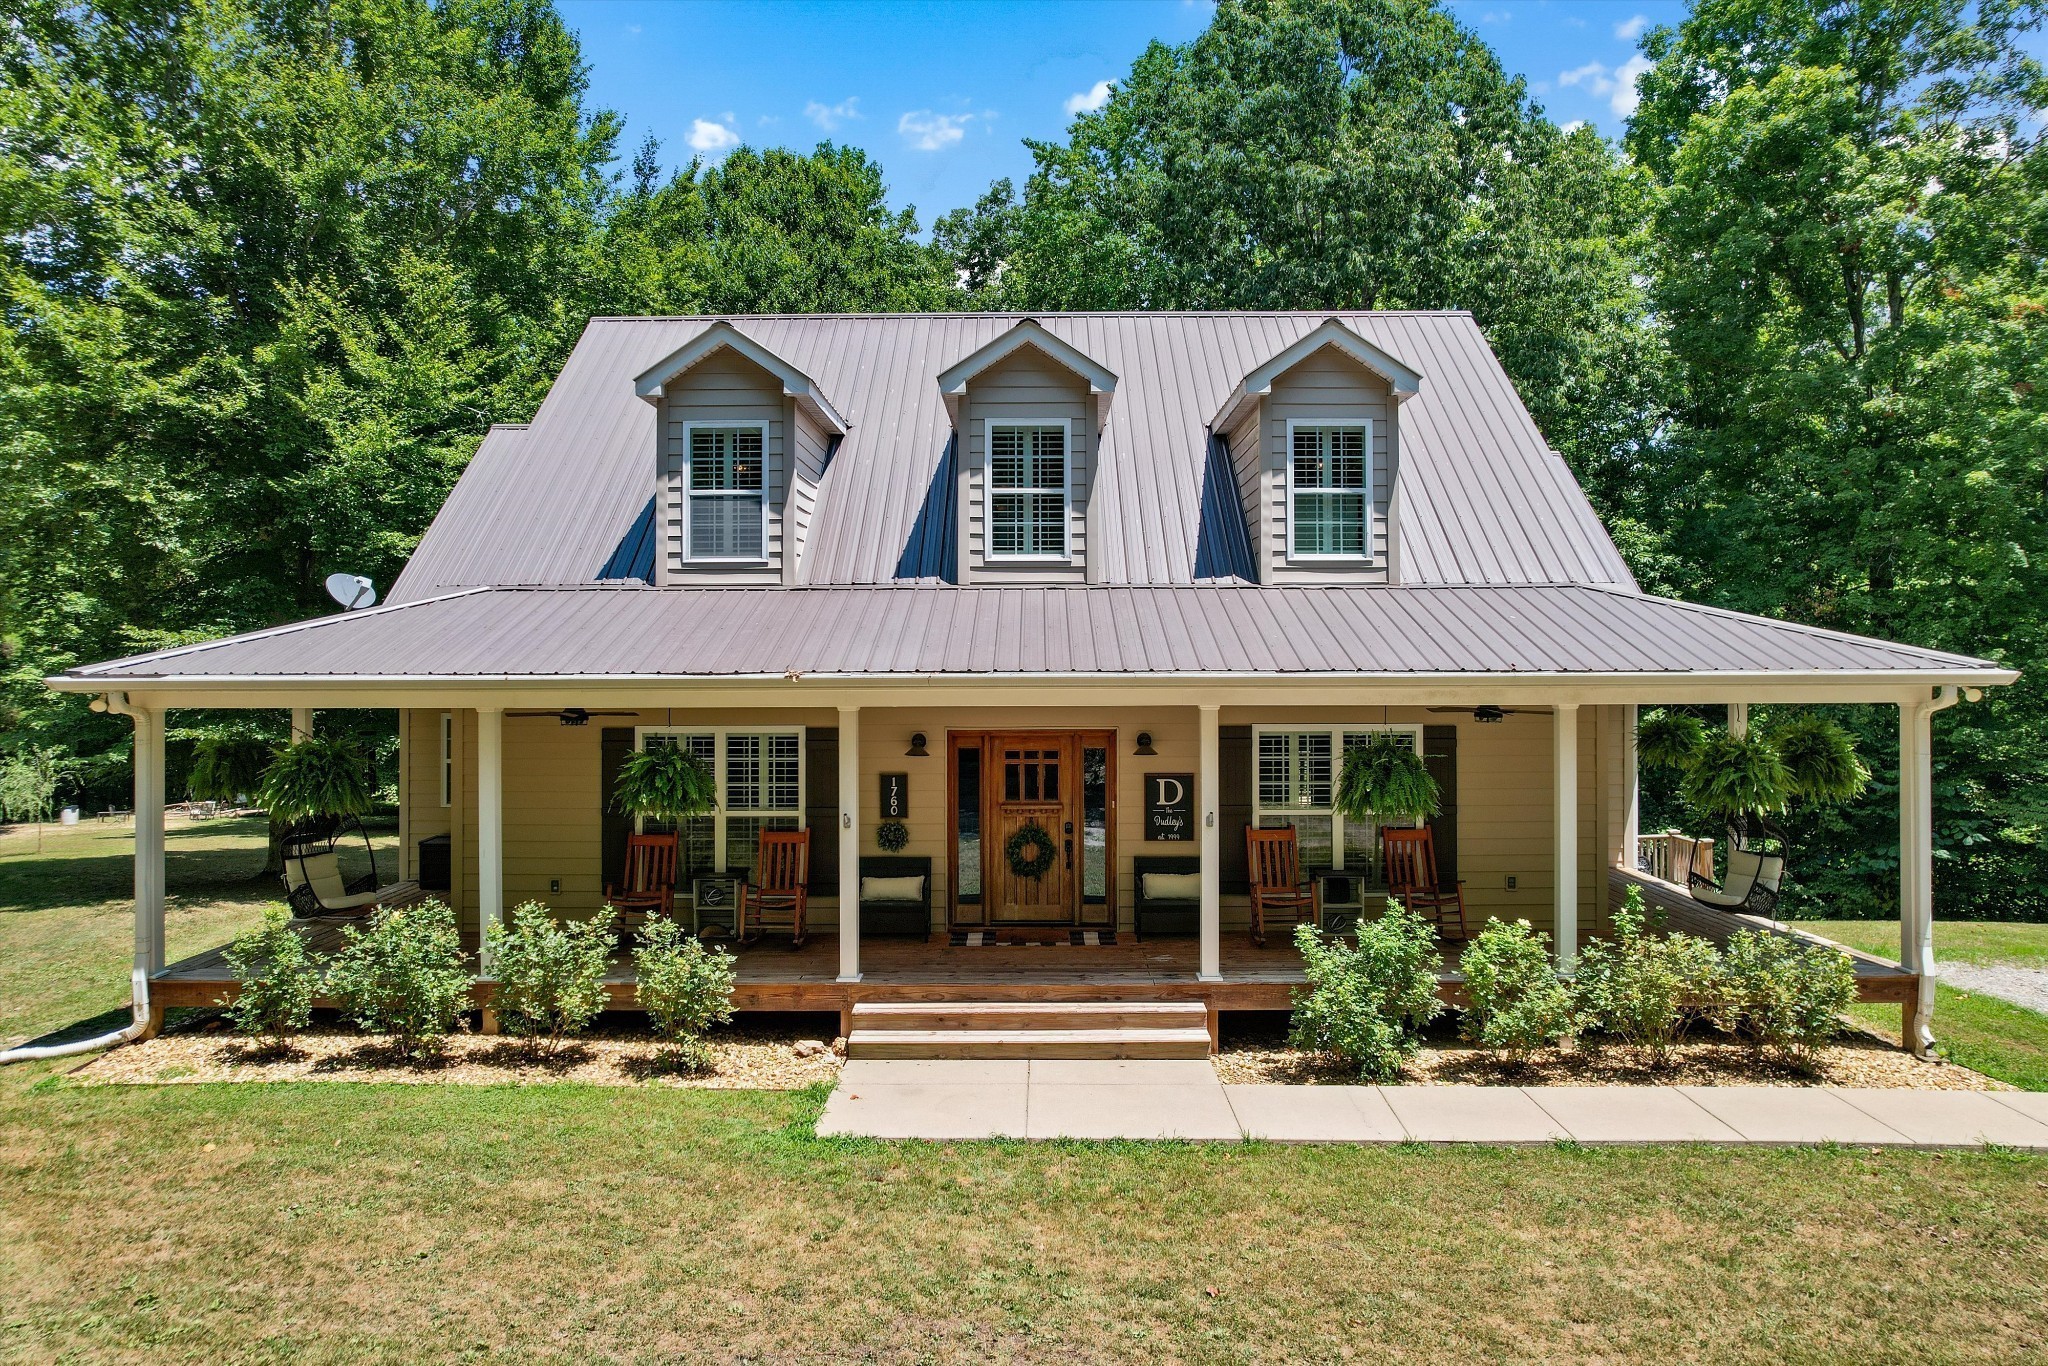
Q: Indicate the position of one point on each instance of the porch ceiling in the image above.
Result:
(1533, 634)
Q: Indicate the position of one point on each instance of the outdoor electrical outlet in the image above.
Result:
(1511, 882)
(555, 884)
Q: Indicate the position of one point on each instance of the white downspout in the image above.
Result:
(148, 786)
(1916, 861)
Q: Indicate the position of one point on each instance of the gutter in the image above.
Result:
(141, 1026)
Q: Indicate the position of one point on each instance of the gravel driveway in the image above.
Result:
(2022, 986)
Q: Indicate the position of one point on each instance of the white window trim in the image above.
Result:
(718, 817)
(1287, 474)
(767, 463)
(1336, 733)
(447, 758)
(989, 490)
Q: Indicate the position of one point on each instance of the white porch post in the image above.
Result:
(1632, 788)
(1207, 787)
(490, 828)
(849, 844)
(1565, 852)
(149, 853)
(1916, 866)
(1738, 719)
(302, 724)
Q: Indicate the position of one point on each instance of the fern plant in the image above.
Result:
(1386, 782)
(665, 782)
(226, 765)
(318, 776)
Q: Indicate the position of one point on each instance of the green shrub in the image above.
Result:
(1514, 1000)
(549, 974)
(1785, 997)
(1641, 987)
(403, 976)
(1367, 1002)
(685, 988)
(279, 981)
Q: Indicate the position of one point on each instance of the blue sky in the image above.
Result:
(943, 95)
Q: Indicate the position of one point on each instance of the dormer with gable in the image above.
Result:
(1027, 411)
(1314, 438)
(741, 445)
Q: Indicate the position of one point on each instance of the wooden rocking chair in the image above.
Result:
(778, 894)
(1411, 880)
(649, 883)
(1277, 883)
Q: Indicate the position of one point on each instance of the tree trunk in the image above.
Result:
(273, 856)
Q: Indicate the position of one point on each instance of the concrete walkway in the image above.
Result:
(1184, 1100)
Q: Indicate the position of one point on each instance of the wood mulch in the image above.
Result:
(742, 1058)
(1856, 1059)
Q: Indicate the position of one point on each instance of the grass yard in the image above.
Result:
(342, 1223)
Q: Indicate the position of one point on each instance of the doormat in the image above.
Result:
(1032, 939)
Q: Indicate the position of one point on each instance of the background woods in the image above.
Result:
(268, 270)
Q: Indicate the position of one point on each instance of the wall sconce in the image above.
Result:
(917, 749)
(1145, 749)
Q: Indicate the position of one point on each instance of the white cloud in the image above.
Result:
(830, 116)
(1617, 85)
(1574, 126)
(713, 138)
(1625, 98)
(929, 132)
(1631, 28)
(1496, 16)
(1089, 100)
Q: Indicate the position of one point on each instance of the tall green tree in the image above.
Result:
(1849, 238)
(1347, 154)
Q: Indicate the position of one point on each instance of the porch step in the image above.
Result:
(1030, 1029)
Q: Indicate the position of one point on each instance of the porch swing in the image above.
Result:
(314, 887)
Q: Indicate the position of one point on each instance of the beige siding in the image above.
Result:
(724, 387)
(1248, 461)
(1028, 386)
(808, 444)
(1328, 385)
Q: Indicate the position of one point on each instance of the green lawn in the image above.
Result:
(335, 1223)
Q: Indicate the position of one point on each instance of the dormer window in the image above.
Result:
(1027, 490)
(1329, 490)
(727, 518)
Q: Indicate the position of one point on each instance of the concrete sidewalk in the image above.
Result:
(1184, 1100)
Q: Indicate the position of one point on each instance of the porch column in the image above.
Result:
(302, 724)
(1632, 787)
(1207, 789)
(849, 844)
(1738, 719)
(1565, 850)
(1916, 867)
(149, 854)
(490, 828)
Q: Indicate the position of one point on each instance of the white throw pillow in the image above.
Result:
(1173, 886)
(892, 888)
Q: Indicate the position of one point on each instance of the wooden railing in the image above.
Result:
(1674, 857)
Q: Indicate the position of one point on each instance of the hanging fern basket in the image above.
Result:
(1030, 851)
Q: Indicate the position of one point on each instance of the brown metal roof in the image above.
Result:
(602, 631)
(1482, 498)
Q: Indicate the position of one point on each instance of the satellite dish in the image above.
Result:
(351, 591)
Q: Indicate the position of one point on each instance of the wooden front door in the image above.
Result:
(1032, 780)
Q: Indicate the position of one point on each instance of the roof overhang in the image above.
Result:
(954, 379)
(1403, 381)
(651, 383)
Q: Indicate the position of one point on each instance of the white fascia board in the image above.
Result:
(721, 335)
(1403, 381)
(1100, 379)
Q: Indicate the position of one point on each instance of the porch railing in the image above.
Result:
(1674, 857)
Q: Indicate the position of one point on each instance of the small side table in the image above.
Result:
(1344, 897)
(714, 903)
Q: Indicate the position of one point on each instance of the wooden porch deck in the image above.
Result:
(772, 977)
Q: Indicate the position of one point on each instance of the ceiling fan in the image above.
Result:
(572, 716)
(1486, 712)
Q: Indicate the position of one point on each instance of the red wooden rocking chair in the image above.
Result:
(1277, 883)
(1411, 880)
(649, 883)
(778, 895)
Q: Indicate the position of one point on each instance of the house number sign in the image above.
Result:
(1169, 806)
(895, 796)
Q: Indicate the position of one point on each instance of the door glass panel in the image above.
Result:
(1095, 824)
(967, 856)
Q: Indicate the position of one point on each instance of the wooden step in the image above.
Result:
(1016, 1015)
(1029, 1043)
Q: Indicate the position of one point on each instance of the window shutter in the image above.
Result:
(613, 826)
(821, 807)
(1235, 774)
(1440, 756)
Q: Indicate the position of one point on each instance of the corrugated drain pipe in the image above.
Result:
(117, 703)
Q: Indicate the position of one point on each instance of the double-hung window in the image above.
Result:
(1027, 490)
(1329, 490)
(760, 775)
(726, 514)
(1296, 784)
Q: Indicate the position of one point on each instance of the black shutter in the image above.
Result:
(1234, 804)
(617, 743)
(821, 808)
(1440, 755)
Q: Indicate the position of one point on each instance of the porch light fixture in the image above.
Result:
(1145, 749)
(917, 749)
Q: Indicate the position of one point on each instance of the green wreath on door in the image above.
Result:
(1031, 851)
